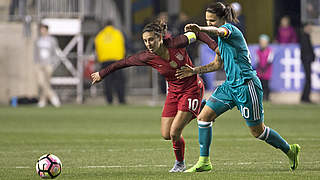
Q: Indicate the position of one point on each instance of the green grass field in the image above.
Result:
(124, 142)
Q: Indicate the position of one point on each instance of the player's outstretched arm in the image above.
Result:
(183, 40)
(187, 70)
(222, 32)
(139, 59)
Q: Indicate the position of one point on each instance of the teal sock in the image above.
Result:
(274, 139)
(205, 137)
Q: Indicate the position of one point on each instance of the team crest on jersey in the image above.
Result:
(173, 64)
(179, 56)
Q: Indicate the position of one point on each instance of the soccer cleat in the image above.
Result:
(42, 104)
(293, 155)
(178, 167)
(201, 166)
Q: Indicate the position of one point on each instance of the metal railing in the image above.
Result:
(139, 82)
(60, 8)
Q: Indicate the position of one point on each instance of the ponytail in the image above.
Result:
(223, 11)
(230, 14)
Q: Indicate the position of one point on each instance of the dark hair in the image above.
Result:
(306, 23)
(223, 11)
(109, 22)
(157, 26)
(44, 26)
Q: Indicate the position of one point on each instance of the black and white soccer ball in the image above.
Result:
(48, 166)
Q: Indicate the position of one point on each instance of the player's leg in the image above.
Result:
(273, 138)
(188, 105)
(51, 95)
(252, 111)
(119, 85)
(270, 136)
(205, 119)
(108, 83)
(218, 103)
(178, 143)
(169, 112)
(178, 146)
(179, 122)
(165, 127)
(41, 84)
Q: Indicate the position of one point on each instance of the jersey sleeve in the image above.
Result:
(180, 41)
(187, 38)
(204, 37)
(140, 59)
(228, 31)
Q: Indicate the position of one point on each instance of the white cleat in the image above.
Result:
(178, 167)
(55, 101)
(42, 104)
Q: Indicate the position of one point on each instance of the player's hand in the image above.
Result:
(95, 77)
(185, 71)
(192, 27)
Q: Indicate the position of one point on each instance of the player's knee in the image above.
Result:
(205, 119)
(166, 136)
(260, 133)
(255, 134)
(175, 135)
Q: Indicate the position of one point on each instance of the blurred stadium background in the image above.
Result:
(95, 141)
(76, 22)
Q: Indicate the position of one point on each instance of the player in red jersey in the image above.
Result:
(184, 95)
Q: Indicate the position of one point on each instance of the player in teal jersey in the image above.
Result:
(242, 87)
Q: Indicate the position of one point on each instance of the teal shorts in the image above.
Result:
(247, 97)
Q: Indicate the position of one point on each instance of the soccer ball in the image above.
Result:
(48, 166)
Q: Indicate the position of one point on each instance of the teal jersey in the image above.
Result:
(235, 56)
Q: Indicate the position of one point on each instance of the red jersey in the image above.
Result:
(178, 57)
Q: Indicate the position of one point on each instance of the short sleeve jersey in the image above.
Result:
(235, 56)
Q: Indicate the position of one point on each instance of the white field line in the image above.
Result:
(152, 149)
(162, 165)
(22, 167)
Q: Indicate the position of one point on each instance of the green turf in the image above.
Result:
(124, 142)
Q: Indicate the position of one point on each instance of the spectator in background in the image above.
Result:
(307, 57)
(21, 5)
(264, 64)
(286, 33)
(110, 47)
(46, 48)
(241, 25)
(311, 10)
